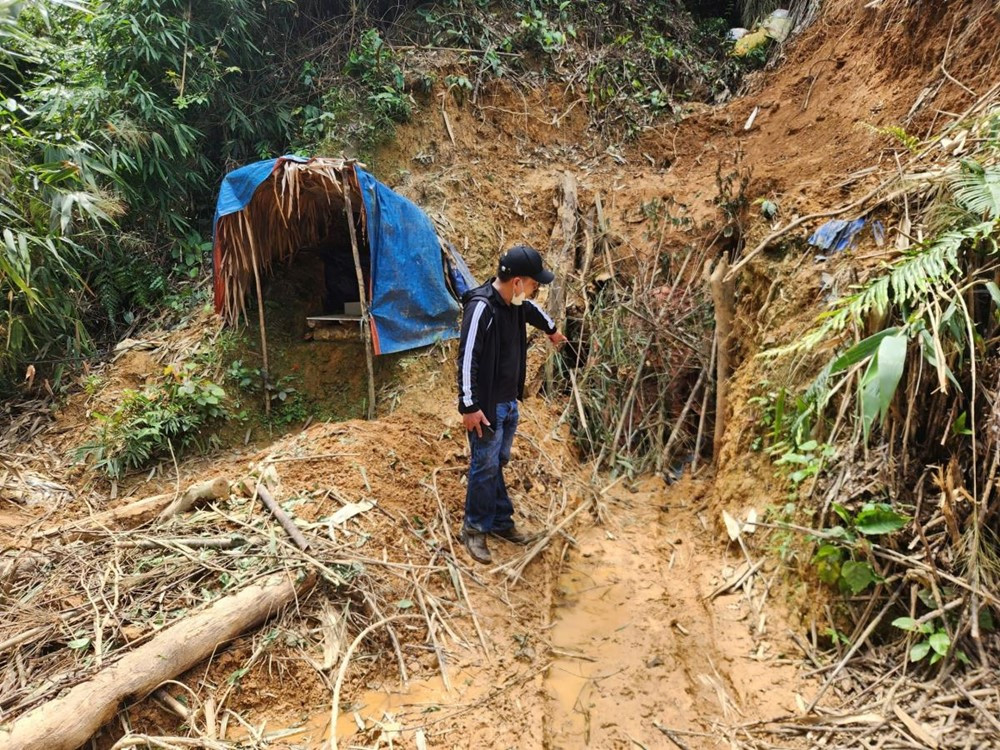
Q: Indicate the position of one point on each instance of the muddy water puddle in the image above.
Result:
(592, 609)
(387, 715)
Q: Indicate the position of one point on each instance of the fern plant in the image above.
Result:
(919, 299)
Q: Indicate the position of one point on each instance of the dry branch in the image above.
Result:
(286, 523)
(723, 292)
(141, 511)
(212, 489)
(68, 722)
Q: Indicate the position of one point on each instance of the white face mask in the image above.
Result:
(519, 297)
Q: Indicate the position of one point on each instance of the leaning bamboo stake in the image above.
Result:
(68, 722)
(366, 333)
(663, 460)
(563, 257)
(704, 411)
(723, 291)
(563, 247)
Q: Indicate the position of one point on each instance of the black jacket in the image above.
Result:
(479, 353)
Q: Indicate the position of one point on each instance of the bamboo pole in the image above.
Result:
(562, 258)
(286, 523)
(366, 333)
(260, 311)
(723, 288)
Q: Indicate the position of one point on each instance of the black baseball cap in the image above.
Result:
(524, 260)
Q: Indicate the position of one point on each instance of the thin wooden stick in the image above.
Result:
(286, 523)
(704, 410)
(461, 581)
(851, 651)
(664, 457)
(345, 663)
(366, 320)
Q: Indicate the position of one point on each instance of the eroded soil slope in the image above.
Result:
(612, 636)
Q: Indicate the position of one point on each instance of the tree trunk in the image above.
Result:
(68, 722)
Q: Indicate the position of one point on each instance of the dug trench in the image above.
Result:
(638, 622)
(638, 632)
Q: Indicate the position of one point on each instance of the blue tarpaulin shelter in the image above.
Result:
(268, 210)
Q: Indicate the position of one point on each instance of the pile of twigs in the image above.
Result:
(640, 388)
(79, 597)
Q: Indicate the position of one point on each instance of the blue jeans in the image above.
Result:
(487, 504)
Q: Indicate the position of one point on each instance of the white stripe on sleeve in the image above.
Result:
(552, 323)
(470, 344)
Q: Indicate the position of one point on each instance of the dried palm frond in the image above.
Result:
(297, 206)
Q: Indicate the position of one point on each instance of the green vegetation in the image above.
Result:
(158, 421)
(119, 119)
(905, 404)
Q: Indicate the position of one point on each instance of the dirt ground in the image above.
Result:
(616, 642)
(623, 632)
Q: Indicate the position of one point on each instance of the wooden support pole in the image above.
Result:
(723, 296)
(562, 257)
(248, 230)
(366, 321)
(67, 722)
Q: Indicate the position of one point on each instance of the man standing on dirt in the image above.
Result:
(491, 370)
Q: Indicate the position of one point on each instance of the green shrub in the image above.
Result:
(150, 424)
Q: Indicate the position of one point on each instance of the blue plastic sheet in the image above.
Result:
(459, 274)
(410, 302)
(840, 234)
(836, 234)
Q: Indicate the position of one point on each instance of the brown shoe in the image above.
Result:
(515, 536)
(475, 543)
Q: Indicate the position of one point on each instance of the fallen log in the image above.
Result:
(140, 512)
(68, 722)
(213, 489)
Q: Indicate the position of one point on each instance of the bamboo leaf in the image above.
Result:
(869, 397)
(861, 351)
(891, 359)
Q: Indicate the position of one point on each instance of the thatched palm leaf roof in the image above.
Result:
(298, 206)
